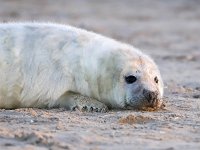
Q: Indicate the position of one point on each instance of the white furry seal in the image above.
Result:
(51, 65)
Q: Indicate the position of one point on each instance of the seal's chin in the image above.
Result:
(144, 105)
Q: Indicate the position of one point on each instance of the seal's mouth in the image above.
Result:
(154, 108)
(146, 106)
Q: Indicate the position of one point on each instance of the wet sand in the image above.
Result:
(169, 31)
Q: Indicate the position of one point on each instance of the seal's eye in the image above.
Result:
(156, 79)
(130, 79)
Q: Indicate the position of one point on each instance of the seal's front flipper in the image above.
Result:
(75, 101)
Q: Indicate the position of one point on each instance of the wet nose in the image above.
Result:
(151, 96)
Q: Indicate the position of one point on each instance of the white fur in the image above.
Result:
(40, 62)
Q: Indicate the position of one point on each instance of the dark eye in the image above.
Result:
(156, 79)
(130, 79)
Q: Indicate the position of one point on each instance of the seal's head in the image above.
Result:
(142, 83)
(130, 79)
(121, 76)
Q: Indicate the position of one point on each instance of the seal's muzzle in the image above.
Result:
(151, 97)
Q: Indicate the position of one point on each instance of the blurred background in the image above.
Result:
(168, 30)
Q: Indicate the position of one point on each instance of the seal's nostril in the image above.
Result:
(151, 96)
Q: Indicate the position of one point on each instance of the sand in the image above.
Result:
(168, 30)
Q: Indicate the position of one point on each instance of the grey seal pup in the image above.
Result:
(52, 65)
